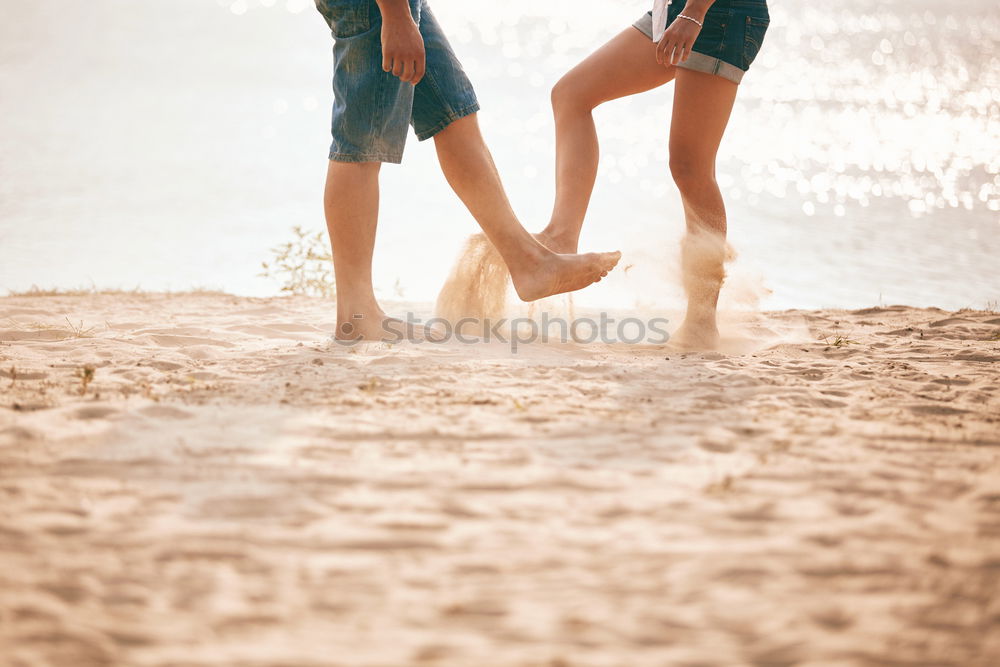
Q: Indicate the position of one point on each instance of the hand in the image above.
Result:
(675, 46)
(403, 48)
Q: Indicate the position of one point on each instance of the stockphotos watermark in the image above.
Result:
(517, 331)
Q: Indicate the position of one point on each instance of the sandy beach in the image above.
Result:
(204, 479)
(190, 478)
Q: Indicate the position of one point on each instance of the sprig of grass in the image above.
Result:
(86, 376)
(78, 331)
(75, 330)
(839, 341)
(304, 265)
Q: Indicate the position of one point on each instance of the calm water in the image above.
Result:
(169, 145)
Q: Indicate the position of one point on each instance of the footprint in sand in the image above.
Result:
(165, 365)
(16, 434)
(958, 382)
(95, 412)
(931, 409)
(951, 320)
(165, 412)
(976, 356)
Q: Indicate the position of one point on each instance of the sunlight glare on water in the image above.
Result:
(862, 163)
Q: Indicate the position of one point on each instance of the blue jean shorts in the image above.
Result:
(728, 42)
(371, 107)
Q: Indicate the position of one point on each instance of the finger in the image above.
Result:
(386, 62)
(685, 52)
(421, 69)
(661, 53)
(408, 67)
(397, 67)
(669, 53)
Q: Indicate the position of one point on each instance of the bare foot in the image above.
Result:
(379, 327)
(695, 335)
(557, 274)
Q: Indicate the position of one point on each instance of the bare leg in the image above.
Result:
(536, 271)
(702, 107)
(351, 203)
(624, 66)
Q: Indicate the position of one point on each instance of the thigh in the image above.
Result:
(703, 104)
(624, 66)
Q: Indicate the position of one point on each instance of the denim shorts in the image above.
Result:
(371, 107)
(729, 40)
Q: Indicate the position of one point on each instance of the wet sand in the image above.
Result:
(226, 487)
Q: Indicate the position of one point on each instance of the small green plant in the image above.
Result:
(78, 330)
(86, 376)
(73, 330)
(723, 486)
(303, 265)
(839, 341)
(369, 385)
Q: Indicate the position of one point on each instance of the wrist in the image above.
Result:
(394, 10)
(697, 9)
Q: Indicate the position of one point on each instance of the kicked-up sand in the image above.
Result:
(208, 480)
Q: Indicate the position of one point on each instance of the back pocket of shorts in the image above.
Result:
(755, 30)
(346, 18)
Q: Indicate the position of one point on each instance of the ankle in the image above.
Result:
(560, 239)
(354, 311)
(531, 253)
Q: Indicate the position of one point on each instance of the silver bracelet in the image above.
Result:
(684, 16)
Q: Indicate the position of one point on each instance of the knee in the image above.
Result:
(690, 174)
(353, 169)
(351, 174)
(350, 177)
(460, 130)
(567, 97)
